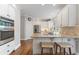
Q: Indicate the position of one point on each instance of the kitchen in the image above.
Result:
(43, 23)
(67, 17)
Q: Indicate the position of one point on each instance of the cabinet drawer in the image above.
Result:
(5, 51)
(7, 48)
(2, 52)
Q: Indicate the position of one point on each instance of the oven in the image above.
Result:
(4, 35)
(6, 30)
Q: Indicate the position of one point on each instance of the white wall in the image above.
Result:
(17, 28)
(28, 29)
(22, 27)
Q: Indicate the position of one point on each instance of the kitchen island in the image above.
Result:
(39, 37)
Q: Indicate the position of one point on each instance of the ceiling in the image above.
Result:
(40, 11)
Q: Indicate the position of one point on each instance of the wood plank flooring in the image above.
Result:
(24, 49)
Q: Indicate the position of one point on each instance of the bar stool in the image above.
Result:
(47, 45)
(64, 46)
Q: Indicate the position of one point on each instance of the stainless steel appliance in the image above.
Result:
(6, 30)
(36, 28)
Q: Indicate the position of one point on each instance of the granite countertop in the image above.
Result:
(39, 35)
(65, 32)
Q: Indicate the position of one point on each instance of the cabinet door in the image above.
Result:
(11, 12)
(77, 14)
(58, 20)
(72, 15)
(65, 16)
(7, 48)
(2, 50)
(4, 10)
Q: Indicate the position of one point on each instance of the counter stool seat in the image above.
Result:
(64, 45)
(49, 45)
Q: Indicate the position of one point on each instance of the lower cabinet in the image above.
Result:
(7, 48)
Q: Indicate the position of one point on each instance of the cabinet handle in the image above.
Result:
(8, 15)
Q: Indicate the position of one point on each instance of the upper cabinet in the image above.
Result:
(7, 11)
(11, 12)
(68, 16)
(72, 13)
(4, 10)
(58, 20)
(64, 16)
(77, 14)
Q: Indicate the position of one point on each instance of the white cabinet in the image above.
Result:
(65, 16)
(7, 11)
(72, 15)
(77, 14)
(7, 48)
(57, 40)
(68, 16)
(58, 20)
(4, 10)
(11, 12)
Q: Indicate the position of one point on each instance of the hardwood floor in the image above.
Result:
(24, 49)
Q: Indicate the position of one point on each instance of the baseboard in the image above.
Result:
(26, 39)
(17, 46)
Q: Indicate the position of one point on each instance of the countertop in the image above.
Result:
(39, 35)
(65, 32)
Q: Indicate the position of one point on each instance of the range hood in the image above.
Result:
(46, 20)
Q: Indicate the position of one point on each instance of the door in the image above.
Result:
(28, 29)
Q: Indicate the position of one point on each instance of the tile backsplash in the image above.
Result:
(70, 30)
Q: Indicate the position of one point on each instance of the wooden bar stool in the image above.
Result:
(64, 46)
(47, 45)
